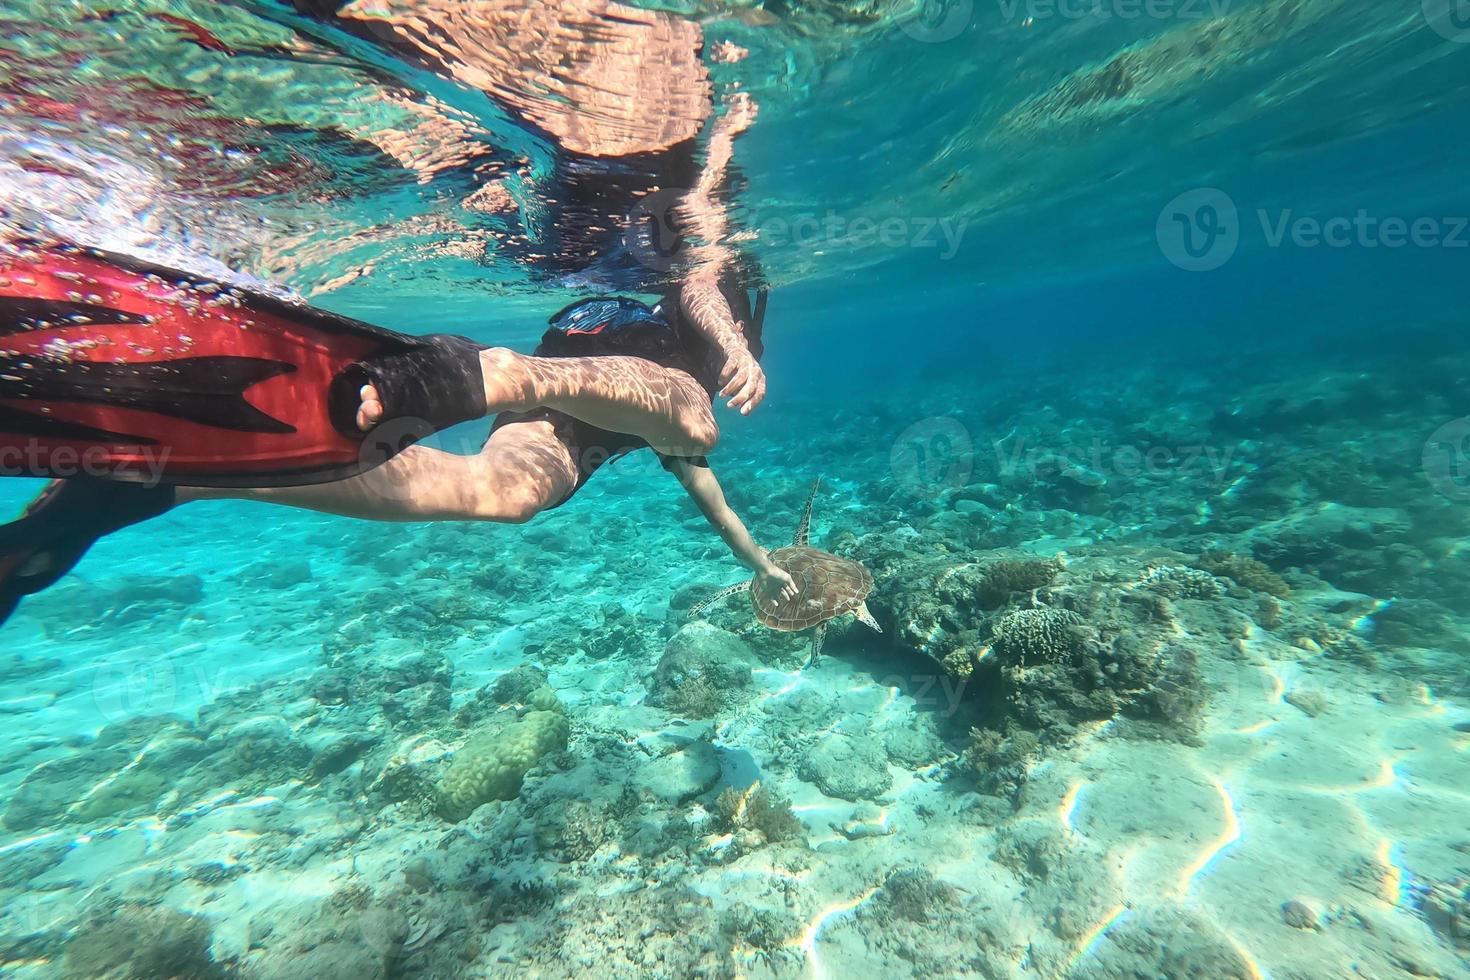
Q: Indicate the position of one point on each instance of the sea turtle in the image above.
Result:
(828, 587)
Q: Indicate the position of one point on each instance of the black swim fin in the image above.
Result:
(59, 526)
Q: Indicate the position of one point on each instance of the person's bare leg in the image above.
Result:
(663, 406)
(523, 469)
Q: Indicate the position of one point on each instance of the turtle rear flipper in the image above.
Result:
(818, 635)
(803, 529)
(865, 617)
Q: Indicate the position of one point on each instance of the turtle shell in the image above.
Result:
(829, 586)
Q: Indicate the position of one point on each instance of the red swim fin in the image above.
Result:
(112, 367)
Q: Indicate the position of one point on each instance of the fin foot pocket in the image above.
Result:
(438, 381)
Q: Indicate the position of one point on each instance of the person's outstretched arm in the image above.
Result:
(700, 483)
(741, 378)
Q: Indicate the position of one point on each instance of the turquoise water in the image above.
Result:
(1130, 353)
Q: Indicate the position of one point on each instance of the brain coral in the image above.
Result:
(1178, 582)
(492, 763)
(1007, 576)
(1030, 636)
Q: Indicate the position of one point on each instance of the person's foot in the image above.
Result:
(370, 412)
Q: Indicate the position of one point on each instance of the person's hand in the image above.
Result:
(773, 581)
(742, 381)
(741, 112)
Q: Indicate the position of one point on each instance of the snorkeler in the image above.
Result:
(611, 376)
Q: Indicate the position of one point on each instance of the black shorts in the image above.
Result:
(590, 446)
(673, 346)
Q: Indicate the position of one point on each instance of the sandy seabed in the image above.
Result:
(1200, 716)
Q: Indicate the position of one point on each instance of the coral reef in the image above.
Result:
(580, 831)
(492, 763)
(1168, 942)
(1447, 908)
(702, 668)
(916, 746)
(1298, 915)
(1176, 582)
(684, 772)
(767, 932)
(1101, 692)
(756, 809)
(1036, 636)
(1245, 571)
(999, 762)
(129, 600)
(522, 687)
(620, 635)
(136, 942)
(670, 930)
(1178, 694)
(697, 697)
(916, 895)
(112, 777)
(1008, 576)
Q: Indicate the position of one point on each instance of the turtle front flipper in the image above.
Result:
(704, 604)
(817, 635)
